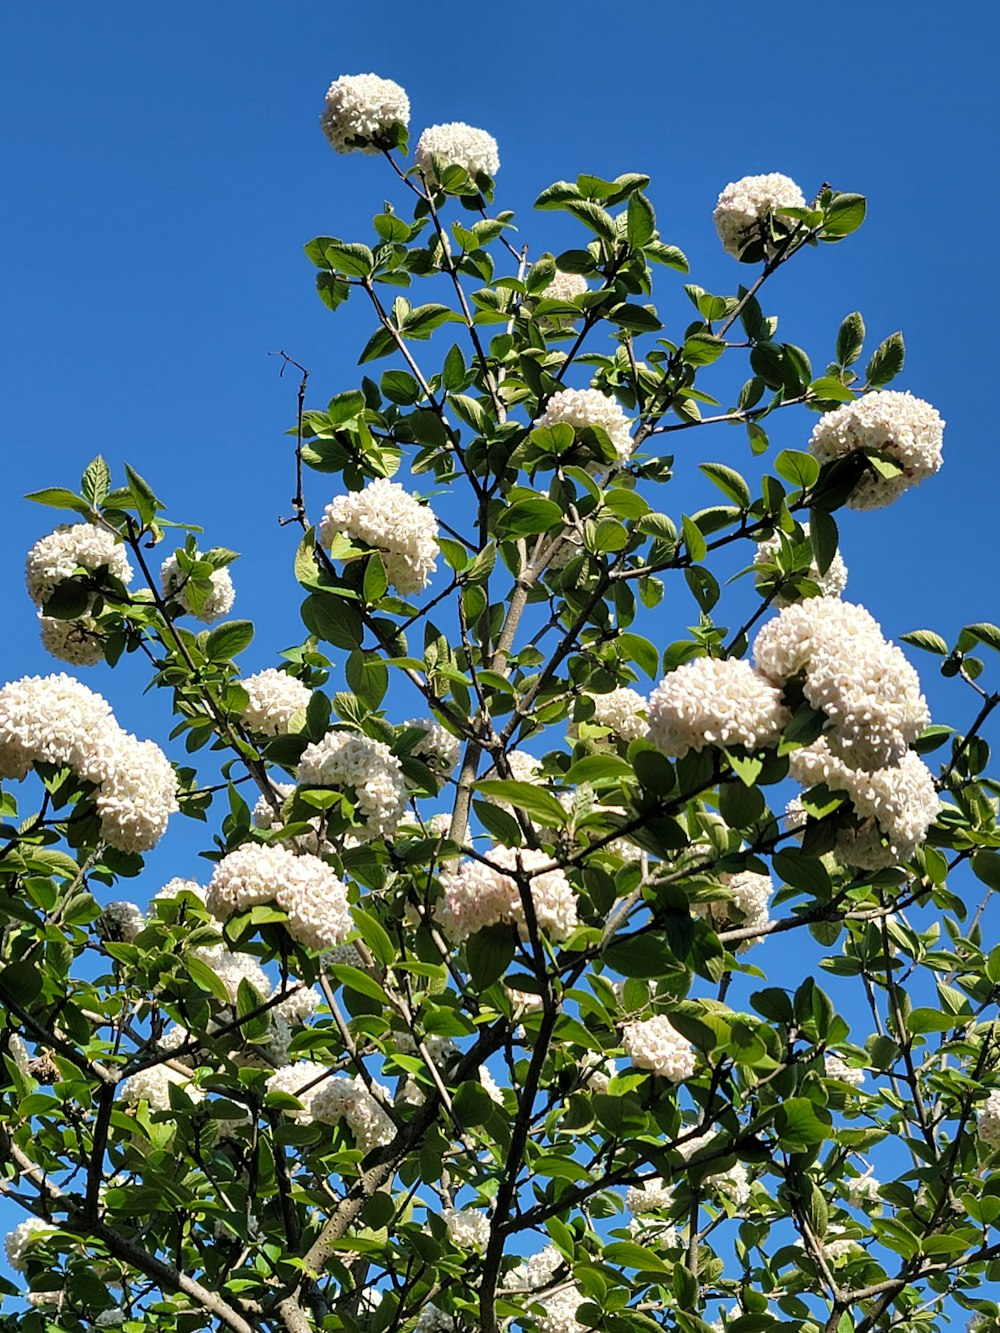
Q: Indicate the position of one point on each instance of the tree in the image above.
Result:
(461, 1034)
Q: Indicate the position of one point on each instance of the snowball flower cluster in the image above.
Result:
(349, 1100)
(433, 1320)
(649, 1197)
(368, 768)
(438, 748)
(560, 1311)
(746, 208)
(988, 1120)
(73, 546)
(899, 425)
(56, 720)
(733, 1183)
(275, 698)
(565, 286)
(388, 519)
(303, 886)
(361, 112)
(303, 1081)
(831, 584)
(478, 895)
(153, 1086)
(654, 1043)
(747, 904)
(536, 1271)
(714, 702)
(78, 642)
(468, 1229)
(120, 921)
(862, 1192)
(459, 145)
(264, 816)
(863, 684)
(175, 585)
(840, 1069)
(622, 711)
(589, 408)
(19, 1241)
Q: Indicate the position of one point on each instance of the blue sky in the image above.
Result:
(165, 165)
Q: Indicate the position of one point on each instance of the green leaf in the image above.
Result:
(526, 518)
(227, 640)
(850, 339)
(640, 651)
(801, 1125)
(56, 497)
(729, 482)
(803, 872)
(375, 936)
(344, 407)
(534, 801)
(69, 600)
(640, 221)
(986, 867)
(930, 1020)
(499, 823)
(701, 349)
(641, 956)
(422, 321)
(355, 260)
(597, 768)
(206, 979)
(844, 215)
(145, 501)
(828, 388)
(986, 633)
(823, 538)
(489, 953)
(333, 620)
(557, 195)
(799, 468)
(376, 581)
(96, 482)
(333, 291)
(886, 362)
(926, 639)
(635, 318)
(668, 255)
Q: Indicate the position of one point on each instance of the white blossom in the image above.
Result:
(732, 1183)
(831, 584)
(460, 145)
(654, 1043)
(349, 1100)
(232, 968)
(622, 711)
(903, 427)
(174, 583)
(478, 895)
(839, 1069)
(747, 904)
(120, 921)
(599, 1074)
(433, 1320)
(388, 519)
(303, 1080)
(560, 1311)
(299, 1002)
(51, 719)
(137, 793)
(863, 1192)
(988, 1120)
(564, 287)
(746, 207)
(176, 886)
(349, 760)
(467, 1228)
(438, 748)
(19, 1241)
(536, 1271)
(649, 1197)
(57, 557)
(275, 698)
(583, 408)
(152, 1085)
(490, 1086)
(78, 642)
(361, 111)
(18, 1052)
(865, 686)
(303, 886)
(710, 702)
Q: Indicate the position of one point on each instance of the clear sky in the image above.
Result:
(164, 166)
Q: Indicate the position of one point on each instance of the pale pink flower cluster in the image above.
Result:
(654, 1043)
(19, 1241)
(153, 1086)
(275, 698)
(863, 684)
(905, 428)
(56, 720)
(831, 584)
(302, 886)
(438, 748)
(838, 1068)
(478, 895)
(746, 206)
(174, 584)
(459, 145)
(389, 519)
(988, 1120)
(712, 702)
(468, 1229)
(350, 760)
(72, 546)
(360, 111)
(583, 408)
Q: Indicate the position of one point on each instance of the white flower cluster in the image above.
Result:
(72, 546)
(565, 287)
(896, 805)
(746, 207)
(654, 1043)
(153, 1086)
(649, 1197)
(863, 684)
(536, 1271)
(302, 886)
(438, 748)
(468, 1229)
(120, 921)
(275, 698)
(899, 425)
(174, 583)
(831, 584)
(988, 1120)
(360, 112)
(583, 408)
(747, 905)
(710, 702)
(622, 711)
(348, 1100)
(863, 1192)
(389, 519)
(459, 145)
(478, 895)
(347, 759)
(840, 1069)
(302, 1080)
(560, 1311)
(18, 1052)
(232, 968)
(176, 886)
(433, 1320)
(19, 1241)
(78, 642)
(264, 816)
(732, 1184)
(598, 1075)
(56, 720)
